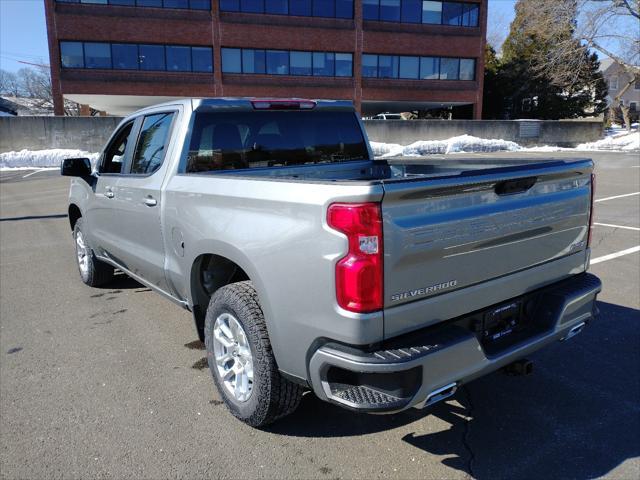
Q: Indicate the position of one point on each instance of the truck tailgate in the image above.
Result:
(449, 233)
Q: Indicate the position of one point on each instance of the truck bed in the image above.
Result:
(397, 169)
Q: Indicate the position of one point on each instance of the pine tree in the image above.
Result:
(522, 75)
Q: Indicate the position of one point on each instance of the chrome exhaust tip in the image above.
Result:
(575, 330)
(441, 394)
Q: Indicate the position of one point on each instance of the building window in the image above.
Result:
(125, 56)
(633, 106)
(422, 11)
(183, 4)
(301, 8)
(97, 55)
(131, 56)
(72, 54)
(613, 83)
(284, 62)
(636, 83)
(424, 68)
(178, 59)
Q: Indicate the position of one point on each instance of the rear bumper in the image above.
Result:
(423, 367)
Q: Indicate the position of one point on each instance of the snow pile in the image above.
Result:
(41, 158)
(463, 143)
(624, 141)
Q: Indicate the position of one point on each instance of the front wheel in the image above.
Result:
(241, 359)
(93, 272)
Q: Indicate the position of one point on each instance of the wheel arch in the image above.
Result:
(74, 213)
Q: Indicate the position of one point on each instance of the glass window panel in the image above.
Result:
(390, 10)
(324, 8)
(431, 12)
(201, 59)
(149, 3)
(470, 15)
(451, 13)
(300, 7)
(300, 63)
(344, 8)
(369, 65)
(125, 56)
(178, 59)
(231, 61)
(429, 68)
(411, 11)
(409, 67)
(126, 3)
(97, 55)
(276, 6)
(150, 148)
(277, 62)
(323, 64)
(253, 61)
(230, 5)
(370, 9)
(449, 68)
(176, 3)
(252, 6)
(151, 57)
(344, 65)
(99, 2)
(71, 55)
(200, 4)
(387, 66)
(467, 69)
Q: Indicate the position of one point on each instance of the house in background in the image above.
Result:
(616, 79)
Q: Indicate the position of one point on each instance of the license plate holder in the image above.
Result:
(502, 321)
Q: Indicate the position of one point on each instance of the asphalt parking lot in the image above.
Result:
(109, 382)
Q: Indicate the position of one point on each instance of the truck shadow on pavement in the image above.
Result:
(577, 416)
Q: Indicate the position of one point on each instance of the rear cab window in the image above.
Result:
(257, 139)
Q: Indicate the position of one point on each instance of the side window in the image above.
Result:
(114, 154)
(151, 145)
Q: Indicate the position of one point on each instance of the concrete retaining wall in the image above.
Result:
(41, 133)
(90, 133)
(534, 132)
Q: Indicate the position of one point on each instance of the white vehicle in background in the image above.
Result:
(388, 116)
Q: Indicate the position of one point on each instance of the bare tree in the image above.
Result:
(9, 84)
(609, 27)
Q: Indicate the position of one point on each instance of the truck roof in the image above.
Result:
(247, 103)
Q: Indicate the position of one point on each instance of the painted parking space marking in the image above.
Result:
(635, 229)
(611, 256)
(616, 196)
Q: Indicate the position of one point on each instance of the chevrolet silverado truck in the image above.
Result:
(309, 265)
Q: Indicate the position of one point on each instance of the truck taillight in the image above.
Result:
(359, 273)
(593, 193)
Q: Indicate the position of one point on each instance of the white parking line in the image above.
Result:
(611, 256)
(37, 171)
(635, 229)
(616, 196)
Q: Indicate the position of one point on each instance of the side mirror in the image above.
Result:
(76, 167)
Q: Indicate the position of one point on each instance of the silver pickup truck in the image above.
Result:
(308, 264)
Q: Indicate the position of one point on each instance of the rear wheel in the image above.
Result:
(93, 272)
(241, 359)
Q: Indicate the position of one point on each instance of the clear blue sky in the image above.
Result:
(23, 33)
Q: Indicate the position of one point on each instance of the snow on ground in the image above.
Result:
(29, 159)
(463, 143)
(616, 140)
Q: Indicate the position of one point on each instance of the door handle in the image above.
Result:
(150, 201)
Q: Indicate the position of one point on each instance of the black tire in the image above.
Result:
(96, 273)
(272, 396)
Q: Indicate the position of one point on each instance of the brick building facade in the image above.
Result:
(385, 55)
